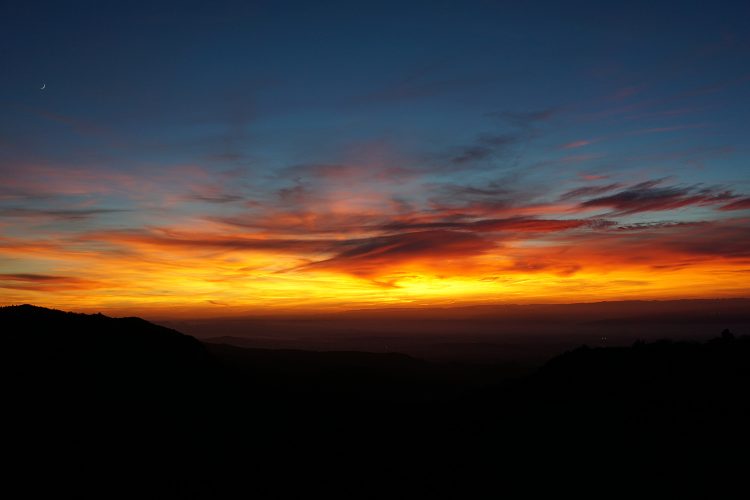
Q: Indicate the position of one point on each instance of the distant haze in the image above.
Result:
(515, 333)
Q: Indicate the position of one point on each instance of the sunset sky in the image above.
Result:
(210, 158)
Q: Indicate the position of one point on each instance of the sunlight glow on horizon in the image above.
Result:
(190, 282)
(272, 158)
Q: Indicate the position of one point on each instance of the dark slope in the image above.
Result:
(98, 407)
(659, 418)
(352, 376)
(680, 390)
(120, 407)
(77, 353)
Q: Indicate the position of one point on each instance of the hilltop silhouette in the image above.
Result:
(152, 412)
(76, 353)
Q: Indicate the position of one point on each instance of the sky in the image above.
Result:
(210, 158)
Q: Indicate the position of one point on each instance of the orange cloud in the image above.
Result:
(333, 236)
(576, 144)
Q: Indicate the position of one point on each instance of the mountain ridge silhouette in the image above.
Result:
(209, 420)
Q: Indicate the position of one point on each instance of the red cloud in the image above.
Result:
(741, 204)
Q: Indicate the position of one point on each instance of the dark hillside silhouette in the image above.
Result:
(152, 412)
(123, 356)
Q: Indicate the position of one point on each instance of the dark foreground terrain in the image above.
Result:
(102, 407)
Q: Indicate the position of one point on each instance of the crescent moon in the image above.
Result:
(43, 85)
